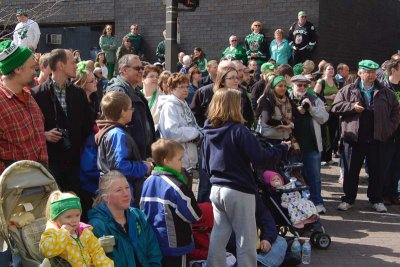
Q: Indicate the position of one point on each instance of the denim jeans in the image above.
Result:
(312, 174)
(276, 255)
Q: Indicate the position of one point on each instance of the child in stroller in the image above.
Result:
(285, 192)
(301, 210)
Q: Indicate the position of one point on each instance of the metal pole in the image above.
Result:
(171, 47)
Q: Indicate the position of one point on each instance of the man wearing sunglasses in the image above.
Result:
(308, 116)
(141, 127)
(234, 51)
(302, 38)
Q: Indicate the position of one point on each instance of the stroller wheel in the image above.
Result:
(323, 241)
(282, 230)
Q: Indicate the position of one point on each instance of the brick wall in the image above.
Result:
(210, 26)
(353, 30)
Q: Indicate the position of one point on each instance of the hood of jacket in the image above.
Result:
(166, 99)
(215, 135)
(104, 126)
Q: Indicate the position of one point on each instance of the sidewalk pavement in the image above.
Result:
(360, 236)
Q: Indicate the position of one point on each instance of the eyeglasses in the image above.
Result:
(302, 85)
(231, 78)
(137, 68)
(182, 87)
(92, 81)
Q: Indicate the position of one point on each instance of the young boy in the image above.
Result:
(169, 203)
(117, 149)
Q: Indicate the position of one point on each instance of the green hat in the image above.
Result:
(367, 64)
(21, 12)
(12, 56)
(301, 14)
(60, 206)
(298, 69)
(267, 66)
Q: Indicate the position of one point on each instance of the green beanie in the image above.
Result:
(267, 66)
(12, 56)
(298, 69)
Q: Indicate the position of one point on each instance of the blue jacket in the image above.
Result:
(118, 151)
(140, 238)
(170, 207)
(228, 152)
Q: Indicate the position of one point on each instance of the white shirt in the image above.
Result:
(27, 34)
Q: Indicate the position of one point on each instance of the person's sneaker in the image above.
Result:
(344, 206)
(323, 163)
(320, 209)
(379, 207)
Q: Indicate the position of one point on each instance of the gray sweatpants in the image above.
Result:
(233, 210)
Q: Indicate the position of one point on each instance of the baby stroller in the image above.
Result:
(24, 189)
(272, 199)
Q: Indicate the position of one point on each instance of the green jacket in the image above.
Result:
(237, 53)
(202, 65)
(255, 43)
(109, 46)
(136, 42)
(140, 237)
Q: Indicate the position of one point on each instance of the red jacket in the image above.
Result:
(201, 232)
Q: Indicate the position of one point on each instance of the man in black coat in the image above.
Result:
(67, 119)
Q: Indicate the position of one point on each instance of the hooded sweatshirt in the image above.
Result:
(228, 152)
(177, 122)
(118, 150)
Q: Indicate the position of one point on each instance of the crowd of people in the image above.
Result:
(124, 140)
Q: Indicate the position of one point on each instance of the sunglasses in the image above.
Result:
(301, 85)
(234, 40)
(257, 25)
(137, 68)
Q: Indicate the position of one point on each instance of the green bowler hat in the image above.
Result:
(367, 64)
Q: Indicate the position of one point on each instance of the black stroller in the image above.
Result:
(272, 199)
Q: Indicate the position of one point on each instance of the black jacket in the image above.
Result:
(78, 122)
(202, 99)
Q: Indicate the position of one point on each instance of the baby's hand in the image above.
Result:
(68, 228)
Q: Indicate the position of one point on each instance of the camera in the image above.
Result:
(305, 105)
(66, 142)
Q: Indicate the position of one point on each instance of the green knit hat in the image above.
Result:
(12, 56)
(298, 69)
(267, 66)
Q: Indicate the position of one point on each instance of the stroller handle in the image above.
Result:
(297, 189)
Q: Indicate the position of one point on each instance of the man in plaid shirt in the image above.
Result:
(21, 121)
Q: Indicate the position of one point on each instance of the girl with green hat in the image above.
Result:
(65, 236)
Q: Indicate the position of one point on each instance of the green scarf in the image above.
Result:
(173, 172)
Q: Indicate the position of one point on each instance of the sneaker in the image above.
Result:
(331, 162)
(344, 206)
(320, 209)
(340, 180)
(323, 163)
(379, 207)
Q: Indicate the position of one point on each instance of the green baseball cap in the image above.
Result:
(267, 66)
(302, 14)
(367, 64)
(21, 12)
(12, 56)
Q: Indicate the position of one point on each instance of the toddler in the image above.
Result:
(65, 236)
(301, 210)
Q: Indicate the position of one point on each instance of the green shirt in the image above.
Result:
(109, 46)
(328, 90)
(235, 53)
(136, 42)
(255, 43)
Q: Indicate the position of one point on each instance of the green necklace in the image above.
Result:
(172, 171)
